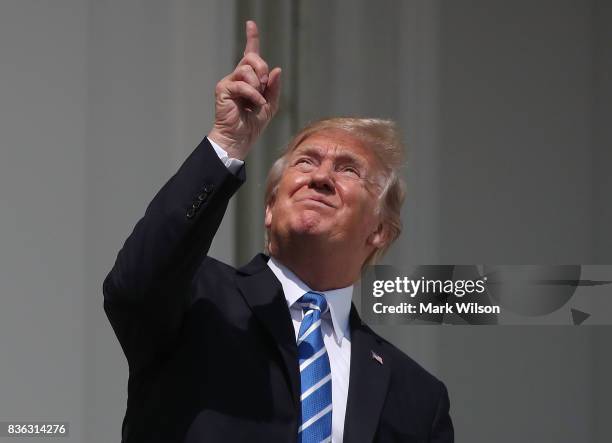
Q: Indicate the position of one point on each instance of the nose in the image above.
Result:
(321, 178)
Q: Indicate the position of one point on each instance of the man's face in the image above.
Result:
(329, 191)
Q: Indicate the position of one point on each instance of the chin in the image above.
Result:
(308, 223)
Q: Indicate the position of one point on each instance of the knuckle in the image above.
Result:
(262, 66)
(247, 72)
(245, 88)
(237, 72)
(256, 62)
(246, 60)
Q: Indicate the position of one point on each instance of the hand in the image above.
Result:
(245, 100)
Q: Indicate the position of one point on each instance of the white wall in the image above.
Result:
(100, 101)
(152, 71)
(43, 191)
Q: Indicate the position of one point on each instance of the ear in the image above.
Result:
(379, 237)
(268, 215)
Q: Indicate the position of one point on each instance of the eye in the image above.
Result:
(350, 171)
(303, 163)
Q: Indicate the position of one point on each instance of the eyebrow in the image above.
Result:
(343, 156)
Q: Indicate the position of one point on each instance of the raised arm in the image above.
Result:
(145, 293)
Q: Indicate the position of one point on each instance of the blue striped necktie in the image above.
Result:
(315, 373)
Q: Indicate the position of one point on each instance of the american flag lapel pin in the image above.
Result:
(377, 357)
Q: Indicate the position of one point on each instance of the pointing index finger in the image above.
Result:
(252, 38)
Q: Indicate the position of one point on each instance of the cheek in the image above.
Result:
(291, 183)
(354, 198)
(362, 208)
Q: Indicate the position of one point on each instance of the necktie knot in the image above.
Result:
(313, 300)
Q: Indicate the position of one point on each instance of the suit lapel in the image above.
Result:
(368, 382)
(264, 294)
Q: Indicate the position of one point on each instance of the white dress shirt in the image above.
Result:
(232, 164)
(334, 323)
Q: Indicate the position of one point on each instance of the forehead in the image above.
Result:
(337, 143)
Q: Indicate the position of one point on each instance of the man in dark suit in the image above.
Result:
(273, 351)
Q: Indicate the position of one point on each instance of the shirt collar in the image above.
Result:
(338, 300)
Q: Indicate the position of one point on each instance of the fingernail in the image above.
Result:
(264, 80)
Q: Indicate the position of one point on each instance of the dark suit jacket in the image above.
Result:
(211, 349)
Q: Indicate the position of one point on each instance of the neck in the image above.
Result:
(321, 268)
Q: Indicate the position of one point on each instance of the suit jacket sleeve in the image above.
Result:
(146, 293)
(442, 426)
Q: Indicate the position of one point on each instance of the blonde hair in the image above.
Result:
(383, 138)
